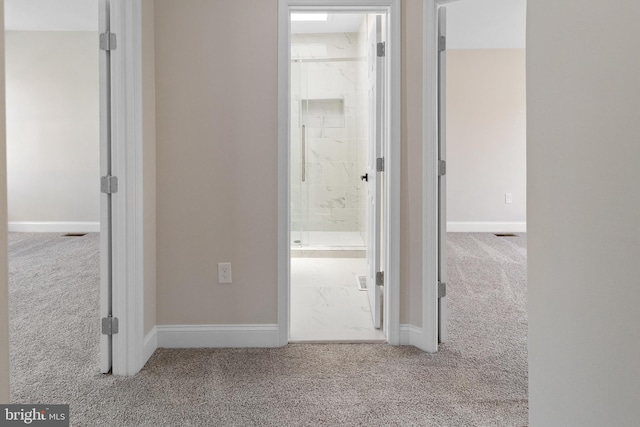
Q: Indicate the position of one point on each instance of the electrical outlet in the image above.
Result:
(224, 272)
(508, 198)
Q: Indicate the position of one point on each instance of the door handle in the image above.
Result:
(303, 161)
(365, 177)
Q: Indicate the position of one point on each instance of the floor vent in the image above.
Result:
(506, 235)
(362, 282)
(74, 234)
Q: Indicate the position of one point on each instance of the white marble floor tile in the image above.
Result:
(326, 304)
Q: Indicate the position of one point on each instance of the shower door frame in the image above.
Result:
(391, 224)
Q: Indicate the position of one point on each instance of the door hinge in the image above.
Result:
(108, 41)
(442, 44)
(442, 167)
(109, 325)
(442, 289)
(109, 184)
(381, 49)
(380, 278)
(380, 164)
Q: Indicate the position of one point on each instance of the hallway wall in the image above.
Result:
(216, 107)
(149, 160)
(4, 274)
(217, 167)
(583, 63)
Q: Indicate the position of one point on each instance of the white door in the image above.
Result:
(376, 68)
(105, 198)
(442, 180)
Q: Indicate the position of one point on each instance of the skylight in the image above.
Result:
(309, 17)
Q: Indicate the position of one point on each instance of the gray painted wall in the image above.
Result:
(4, 290)
(583, 154)
(217, 165)
(486, 138)
(53, 126)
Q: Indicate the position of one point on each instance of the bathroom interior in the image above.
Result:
(328, 158)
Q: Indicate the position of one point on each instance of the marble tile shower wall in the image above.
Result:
(328, 100)
(363, 124)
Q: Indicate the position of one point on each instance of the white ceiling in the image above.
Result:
(51, 15)
(486, 24)
(472, 24)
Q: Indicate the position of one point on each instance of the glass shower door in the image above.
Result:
(298, 151)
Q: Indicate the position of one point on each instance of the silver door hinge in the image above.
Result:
(442, 167)
(442, 44)
(442, 289)
(380, 164)
(108, 41)
(380, 278)
(109, 184)
(109, 325)
(381, 49)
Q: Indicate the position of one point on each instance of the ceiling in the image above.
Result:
(472, 24)
(51, 15)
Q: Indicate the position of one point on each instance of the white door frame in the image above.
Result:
(104, 72)
(391, 263)
(430, 175)
(127, 208)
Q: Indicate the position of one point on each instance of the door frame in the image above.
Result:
(127, 208)
(391, 263)
(430, 186)
(442, 179)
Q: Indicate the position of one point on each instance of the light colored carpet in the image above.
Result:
(479, 378)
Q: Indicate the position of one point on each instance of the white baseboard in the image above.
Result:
(235, 336)
(487, 227)
(53, 227)
(217, 336)
(150, 345)
(410, 335)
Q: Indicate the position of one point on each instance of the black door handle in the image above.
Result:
(365, 177)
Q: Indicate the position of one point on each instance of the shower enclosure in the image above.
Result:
(328, 141)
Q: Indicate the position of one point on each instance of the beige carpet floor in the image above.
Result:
(478, 378)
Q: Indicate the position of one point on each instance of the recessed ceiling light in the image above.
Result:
(309, 17)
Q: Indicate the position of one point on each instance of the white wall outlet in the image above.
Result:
(508, 198)
(224, 272)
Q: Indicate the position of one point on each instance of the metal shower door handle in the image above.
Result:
(304, 153)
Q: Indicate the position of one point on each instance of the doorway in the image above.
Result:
(340, 116)
(53, 151)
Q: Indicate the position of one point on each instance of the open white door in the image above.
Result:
(106, 276)
(442, 180)
(375, 167)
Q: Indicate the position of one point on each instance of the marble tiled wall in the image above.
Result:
(363, 124)
(326, 97)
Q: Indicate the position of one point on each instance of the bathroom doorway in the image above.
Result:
(338, 133)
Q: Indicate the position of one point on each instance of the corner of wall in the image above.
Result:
(4, 282)
(410, 335)
(150, 345)
(149, 165)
